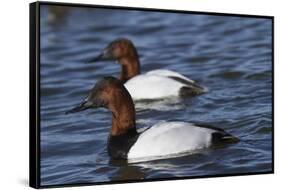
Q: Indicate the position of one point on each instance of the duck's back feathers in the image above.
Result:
(171, 138)
(190, 85)
(160, 83)
(169, 73)
(168, 138)
(152, 87)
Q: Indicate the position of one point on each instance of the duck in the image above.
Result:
(155, 84)
(163, 139)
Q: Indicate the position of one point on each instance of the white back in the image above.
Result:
(168, 138)
(168, 73)
(152, 87)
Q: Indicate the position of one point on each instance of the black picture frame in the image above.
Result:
(34, 91)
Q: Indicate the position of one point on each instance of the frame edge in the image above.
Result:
(34, 174)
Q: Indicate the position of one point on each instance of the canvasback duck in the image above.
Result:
(156, 84)
(162, 139)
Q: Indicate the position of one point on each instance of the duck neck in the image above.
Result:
(123, 117)
(130, 68)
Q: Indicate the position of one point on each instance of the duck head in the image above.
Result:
(111, 94)
(107, 93)
(117, 50)
(124, 52)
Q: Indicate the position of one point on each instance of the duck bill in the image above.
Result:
(106, 55)
(87, 104)
(83, 106)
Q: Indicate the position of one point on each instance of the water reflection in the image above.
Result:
(129, 172)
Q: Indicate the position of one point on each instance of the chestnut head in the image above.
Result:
(108, 92)
(118, 49)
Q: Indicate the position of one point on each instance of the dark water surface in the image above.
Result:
(229, 55)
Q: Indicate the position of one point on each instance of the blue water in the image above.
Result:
(229, 55)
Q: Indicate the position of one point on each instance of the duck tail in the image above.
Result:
(225, 138)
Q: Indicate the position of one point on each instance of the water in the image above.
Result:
(229, 55)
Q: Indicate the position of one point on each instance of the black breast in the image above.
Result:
(119, 146)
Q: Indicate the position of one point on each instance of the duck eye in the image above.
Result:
(114, 46)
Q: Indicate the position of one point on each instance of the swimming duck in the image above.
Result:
(156, 84)
(162, 139)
